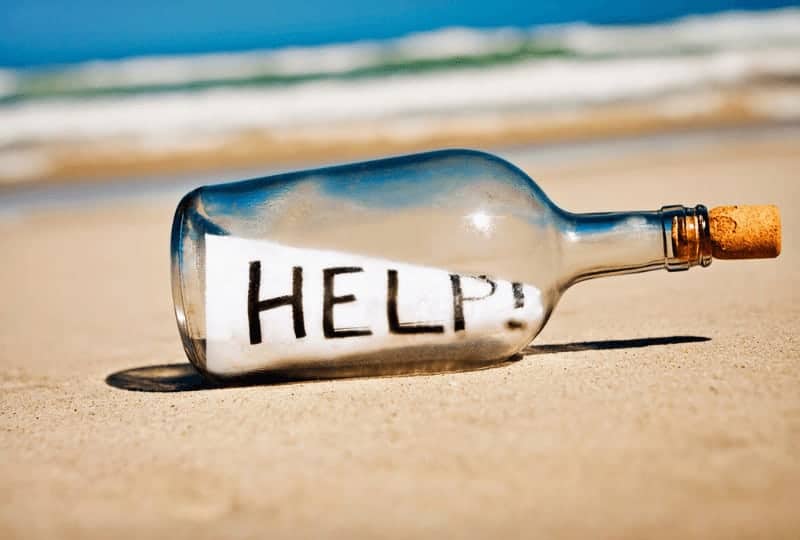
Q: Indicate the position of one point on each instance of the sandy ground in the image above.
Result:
(657, 405)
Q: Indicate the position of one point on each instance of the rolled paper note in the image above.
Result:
(271, 306)
(745, 232)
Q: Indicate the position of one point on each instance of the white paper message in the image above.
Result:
(269, 305)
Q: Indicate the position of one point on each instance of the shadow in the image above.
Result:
(610, 344)
(160, 378)
(185, 378)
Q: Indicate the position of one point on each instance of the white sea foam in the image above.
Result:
(709, 33)
(724, 31)
(530, 84)
(609, 64)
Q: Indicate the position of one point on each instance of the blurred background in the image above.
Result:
(654, 406)
(93, 90)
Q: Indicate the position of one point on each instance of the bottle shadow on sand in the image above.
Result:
(185, 378)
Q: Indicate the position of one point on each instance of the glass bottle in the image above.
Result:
(446, 260)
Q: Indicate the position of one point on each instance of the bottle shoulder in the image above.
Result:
(466, 163)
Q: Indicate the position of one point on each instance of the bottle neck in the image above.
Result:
(596, 245)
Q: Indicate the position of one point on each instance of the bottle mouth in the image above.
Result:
(192, 347)
(687, 237)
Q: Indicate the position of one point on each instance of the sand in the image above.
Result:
(658, 405)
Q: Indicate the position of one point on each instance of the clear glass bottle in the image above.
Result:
(444, 260)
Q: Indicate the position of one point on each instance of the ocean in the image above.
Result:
(408, 87)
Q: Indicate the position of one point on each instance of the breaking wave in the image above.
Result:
(178, 98)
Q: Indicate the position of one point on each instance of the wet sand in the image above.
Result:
(83, 159)
(656, 405)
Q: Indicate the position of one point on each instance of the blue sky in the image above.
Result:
(40, 32)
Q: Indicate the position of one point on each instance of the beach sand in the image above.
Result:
(657, 405)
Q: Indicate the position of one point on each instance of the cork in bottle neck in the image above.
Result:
(687, 238)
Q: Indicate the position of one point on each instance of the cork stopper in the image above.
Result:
(745, 232)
